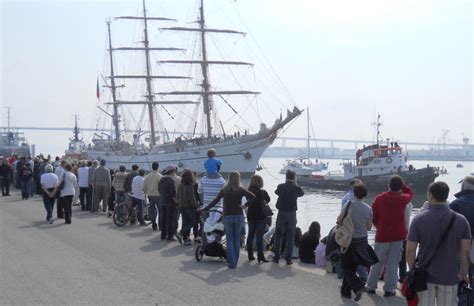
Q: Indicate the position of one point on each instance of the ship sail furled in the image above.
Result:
(195, 105)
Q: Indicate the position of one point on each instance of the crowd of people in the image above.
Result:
(438, 238)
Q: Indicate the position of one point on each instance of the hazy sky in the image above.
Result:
(410, 60)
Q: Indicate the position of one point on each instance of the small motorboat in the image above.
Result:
(459, 165)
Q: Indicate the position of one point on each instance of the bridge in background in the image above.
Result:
(282, 140)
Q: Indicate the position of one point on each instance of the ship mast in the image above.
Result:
(377, 125)
(150, 96)
(113, 87)
(205, 72)
(76, 129)
(148, 77)
(206, 91)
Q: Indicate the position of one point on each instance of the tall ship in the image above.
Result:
(374, 165)
(77, 148)
(203, 116)
(13, 142)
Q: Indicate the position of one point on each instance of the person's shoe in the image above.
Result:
(276, 260)
(289, 262)
(262, 259)
(154, 227)
(346, 295)
(179, 238)
(68, 222)
(171, 240)
(51, 221)
(143, 224)
(369, 290)
(187, 242)
(251, 257)
(358, 295)
(109, 214)
(389, 294)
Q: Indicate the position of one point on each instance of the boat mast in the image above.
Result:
(377, 125)
(150, 96)
(307, 123)
(207, 103)
(76, 129)
(115, 117)
(8, 117)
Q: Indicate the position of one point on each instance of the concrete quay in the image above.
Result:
(94, 262)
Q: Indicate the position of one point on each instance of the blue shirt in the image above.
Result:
(211, 165)
(347, 197)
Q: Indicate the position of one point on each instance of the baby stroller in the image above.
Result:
(212, 233)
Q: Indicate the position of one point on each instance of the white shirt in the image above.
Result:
(83, 176)
(49, 180)
(137, 187)
(70, 186)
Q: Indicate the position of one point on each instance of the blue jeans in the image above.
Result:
(233, 228)
(30, 187)
(188, 221)
(286, 222)
(119, 197)
(49, 205)
(256, 229)
(153, 209)
(139, 203)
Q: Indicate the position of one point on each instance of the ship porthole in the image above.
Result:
(388, 160)
(247, 155)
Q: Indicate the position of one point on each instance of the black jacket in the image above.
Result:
(167, 189)
(255, 207)
(288, 193)
(308, 244)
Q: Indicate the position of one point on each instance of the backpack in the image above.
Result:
(345, 230)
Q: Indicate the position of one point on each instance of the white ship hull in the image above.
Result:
(241, 154)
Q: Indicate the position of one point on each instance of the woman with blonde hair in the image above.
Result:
(232, 193)
(256, 217)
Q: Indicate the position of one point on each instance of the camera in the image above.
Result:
(464, 288)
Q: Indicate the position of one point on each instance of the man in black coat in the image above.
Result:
(288, 194)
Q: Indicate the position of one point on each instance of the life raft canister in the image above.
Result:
(388, 160)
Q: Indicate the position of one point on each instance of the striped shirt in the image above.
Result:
(210, 189)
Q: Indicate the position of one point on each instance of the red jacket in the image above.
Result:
(389, 214)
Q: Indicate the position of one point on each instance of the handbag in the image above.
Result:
(266, 210)
(417, 278)
(345, 230)
(63, 182)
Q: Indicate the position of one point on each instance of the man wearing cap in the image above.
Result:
(102, 185)
(464, 204)
(168, 203)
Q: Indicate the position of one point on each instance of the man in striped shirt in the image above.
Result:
(210, 186)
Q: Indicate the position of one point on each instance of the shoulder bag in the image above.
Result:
(345, 230)
(63, 182)
(417, 278)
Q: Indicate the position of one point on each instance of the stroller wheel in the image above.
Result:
(198, 254)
